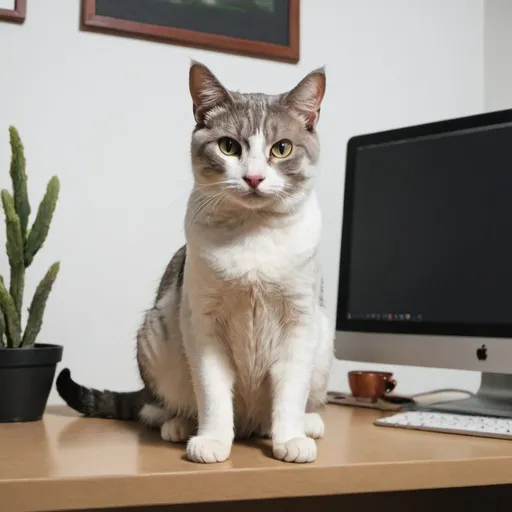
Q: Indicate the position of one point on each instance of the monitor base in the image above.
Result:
(494, 398)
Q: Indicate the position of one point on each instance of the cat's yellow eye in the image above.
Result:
(229, 146)
(281, 149)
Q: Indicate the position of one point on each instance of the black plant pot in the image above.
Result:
(26, 379)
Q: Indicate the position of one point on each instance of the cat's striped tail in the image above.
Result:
(99, 404)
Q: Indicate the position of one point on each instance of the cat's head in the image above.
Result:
(256, 150)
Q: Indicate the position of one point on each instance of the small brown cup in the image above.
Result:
(367, 384)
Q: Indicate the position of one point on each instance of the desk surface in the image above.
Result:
(65, 462)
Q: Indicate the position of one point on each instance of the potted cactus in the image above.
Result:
(27, 368)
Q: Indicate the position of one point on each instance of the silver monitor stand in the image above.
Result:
(494, 398)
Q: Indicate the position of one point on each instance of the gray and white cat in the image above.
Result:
(238, 342)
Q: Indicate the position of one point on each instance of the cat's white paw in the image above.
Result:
(176, 430)
(314, 425)
(207, 450)
(298, 449)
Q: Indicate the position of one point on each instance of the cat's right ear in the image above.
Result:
(206, 90)
(306, 98)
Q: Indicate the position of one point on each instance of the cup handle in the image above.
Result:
(390, 385)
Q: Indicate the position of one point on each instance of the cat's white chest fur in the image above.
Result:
(269, 254)
(253, 286)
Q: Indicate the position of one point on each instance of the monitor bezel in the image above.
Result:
(407, 327)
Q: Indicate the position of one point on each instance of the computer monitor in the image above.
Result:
(426, 254)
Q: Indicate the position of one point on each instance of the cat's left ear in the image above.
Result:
(306, 97)
(206, 90)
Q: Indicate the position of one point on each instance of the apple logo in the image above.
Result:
(481, 353)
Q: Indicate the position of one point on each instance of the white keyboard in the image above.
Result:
(479, 426)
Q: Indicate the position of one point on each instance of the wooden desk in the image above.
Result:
(70, 463)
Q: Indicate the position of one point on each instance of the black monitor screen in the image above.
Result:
(428, 234)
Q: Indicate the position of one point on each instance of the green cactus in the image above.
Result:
(22, 245)
(36, 310)
(13, 327)
(19, 179)
(41, 225)
(14, 247)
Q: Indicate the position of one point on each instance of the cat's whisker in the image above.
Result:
(282, 196)
(201, 207)
(216, 207)
(306, 190)
(196, 206)
(201, 198)
(209, 216)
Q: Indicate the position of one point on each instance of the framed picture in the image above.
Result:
(261, 28)
(13, 10)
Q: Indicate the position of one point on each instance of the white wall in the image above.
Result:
(112, 117)
(7, 4)
(497, 54)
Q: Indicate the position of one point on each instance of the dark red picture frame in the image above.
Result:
(17, 14)
(289, 53)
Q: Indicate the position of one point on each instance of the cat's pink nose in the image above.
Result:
(254, 180)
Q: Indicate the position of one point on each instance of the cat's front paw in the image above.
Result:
(298, 449)
(314, 425)
(176, 430)
(207, 450)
